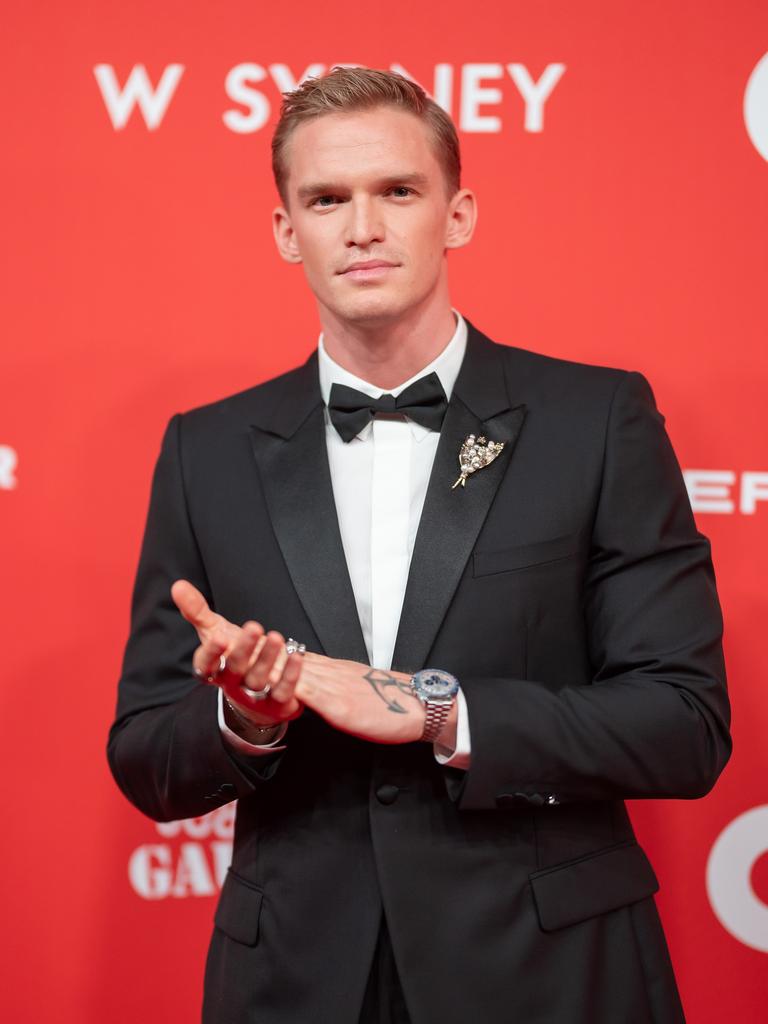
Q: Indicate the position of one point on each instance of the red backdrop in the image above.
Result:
(620, 155)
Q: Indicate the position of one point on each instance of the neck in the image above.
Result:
(386, 353)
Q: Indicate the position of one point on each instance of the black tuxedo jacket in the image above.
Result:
(567, 588)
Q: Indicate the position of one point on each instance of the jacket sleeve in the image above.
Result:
(165, 749)
(654, 722)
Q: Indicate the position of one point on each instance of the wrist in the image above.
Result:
(248, 730)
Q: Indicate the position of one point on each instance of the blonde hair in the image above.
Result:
(353, 89)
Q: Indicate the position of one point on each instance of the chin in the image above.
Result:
(371, 305)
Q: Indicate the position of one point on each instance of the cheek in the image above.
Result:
(316, 254)
(315, 238)
(424, 242)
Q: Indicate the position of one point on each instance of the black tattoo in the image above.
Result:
(380, 680)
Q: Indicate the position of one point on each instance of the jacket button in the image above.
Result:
(515, 799)
(510, 799)
(387, 794)
(226, 791)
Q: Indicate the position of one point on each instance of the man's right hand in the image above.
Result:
(253, 660)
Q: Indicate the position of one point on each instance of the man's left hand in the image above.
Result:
(370, 703)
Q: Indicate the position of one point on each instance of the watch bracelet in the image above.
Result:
(436, 717)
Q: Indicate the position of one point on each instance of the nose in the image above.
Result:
(364, 224)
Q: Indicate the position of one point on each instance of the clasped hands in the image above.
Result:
(372, 704)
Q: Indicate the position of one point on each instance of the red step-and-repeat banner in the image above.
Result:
(620, 155)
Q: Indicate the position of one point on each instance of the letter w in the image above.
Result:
(138, 90)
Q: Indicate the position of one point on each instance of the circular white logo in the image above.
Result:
(729, 869)
(8, 460)
(756, 107)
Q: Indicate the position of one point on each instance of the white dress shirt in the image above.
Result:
(379, 481)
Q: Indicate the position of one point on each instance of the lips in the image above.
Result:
(369, 264)
(368, 270)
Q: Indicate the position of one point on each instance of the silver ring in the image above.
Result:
(294, 647)
(257, 694)
(213, 676)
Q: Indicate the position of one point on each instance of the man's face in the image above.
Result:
(368, 213)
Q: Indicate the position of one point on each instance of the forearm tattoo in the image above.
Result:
(381, 682)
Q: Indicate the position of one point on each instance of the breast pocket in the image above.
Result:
(524, 556)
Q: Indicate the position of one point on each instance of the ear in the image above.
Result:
(285, 236)
(461, 218)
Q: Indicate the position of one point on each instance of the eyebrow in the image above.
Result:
(322, 188)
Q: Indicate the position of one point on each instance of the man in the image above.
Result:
(411, 845)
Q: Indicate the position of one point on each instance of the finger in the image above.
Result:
(257, 675)
(193, 605)
(257, 649)
(277, 669)
(284, 687)
(241, 650)
(207, 656)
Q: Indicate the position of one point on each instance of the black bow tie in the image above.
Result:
(424, 402)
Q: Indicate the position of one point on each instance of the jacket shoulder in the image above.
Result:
(255, 403)
(531, 373)
(539, 364)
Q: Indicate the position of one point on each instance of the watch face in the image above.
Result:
(435, 683)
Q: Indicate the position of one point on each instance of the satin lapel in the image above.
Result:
(292, 459)
(452, 518)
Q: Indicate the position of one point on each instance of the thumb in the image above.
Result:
(193, 605)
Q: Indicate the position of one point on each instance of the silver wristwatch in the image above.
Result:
(436, 689)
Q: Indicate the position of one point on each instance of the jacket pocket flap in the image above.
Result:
(484, 563)
(237, 913)
(579, 889)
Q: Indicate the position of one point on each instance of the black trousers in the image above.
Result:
(384, 1002)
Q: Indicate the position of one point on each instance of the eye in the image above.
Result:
(401, 191)
(324, 202)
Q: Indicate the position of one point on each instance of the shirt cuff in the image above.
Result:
(460, 757)
(243, 746)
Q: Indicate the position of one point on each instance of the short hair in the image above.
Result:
(352, 89)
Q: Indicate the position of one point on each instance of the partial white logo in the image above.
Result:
(723, 491)
(475, 91)
(756, 107)
(139, 92)
(8, 462)
(192, 861)
(735, 902)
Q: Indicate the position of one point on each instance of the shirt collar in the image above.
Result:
(446, 365)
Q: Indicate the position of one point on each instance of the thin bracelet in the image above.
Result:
(247, 722)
